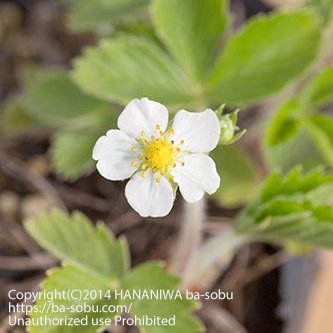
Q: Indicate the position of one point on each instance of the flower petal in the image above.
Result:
(196, 176)
(114, 155)
(148, 197)
(143, 115)
(199, 130)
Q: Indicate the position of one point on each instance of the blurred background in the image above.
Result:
(42, 166)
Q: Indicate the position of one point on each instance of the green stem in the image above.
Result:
(189, 239)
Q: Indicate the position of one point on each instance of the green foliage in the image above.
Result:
(94, 260)
(296, 134)
(150, 276)
(129, 67)
(50, 99)
(268, 53)
(239, 176)
(284, 124)
(13, 118)
(53, 99)
(296, 207)
(265, 55)
(74, 240)
(68, 278)
(102, 15)
(323, 7)
(191, 30)
(320, 89)
(71, 153)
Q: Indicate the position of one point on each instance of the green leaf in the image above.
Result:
(321, 130)
(74, 240)
(264, 56)
(71, 154)
(284, 124)
(102, 15)
(239, 176)
(69, 279)
(13, 118)
(124, 68)
(151, 276)
(54, 100)
(192, 30)
(294, 208)
(320, 90)
(324, 8)
(71, 148)
(299, 149)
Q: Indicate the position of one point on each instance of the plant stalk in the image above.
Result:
(189, 238)
(214, 256)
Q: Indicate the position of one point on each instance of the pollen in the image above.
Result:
(134, 163)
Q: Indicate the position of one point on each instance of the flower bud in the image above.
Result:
(230, 132)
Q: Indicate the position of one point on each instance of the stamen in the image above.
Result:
(174, 165)
(140, 157)
(143, 133)
(134, 148)
(153, 137)
(161, 133)
(158, 127)
(172, 177)
(177, 150)
(182, 163)
(143, 175)
(182, 142)
(172, 131)
(134, 163)
(158, 179)
(172, 142)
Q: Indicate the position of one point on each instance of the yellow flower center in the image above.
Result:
(158, 154)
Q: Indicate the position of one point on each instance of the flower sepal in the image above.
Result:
(230, 132)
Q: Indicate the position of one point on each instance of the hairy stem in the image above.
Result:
(214, 256)
(189, 238)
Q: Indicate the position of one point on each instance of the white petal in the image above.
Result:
(148, 197)
(199, 130)
(198, 175)
(114, 154)
(143, 115)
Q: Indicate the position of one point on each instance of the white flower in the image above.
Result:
(158, 158)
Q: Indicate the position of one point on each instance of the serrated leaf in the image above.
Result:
(264, 56)
(320, 90)
(294, 182)
(54, 100)
(124, 68)
(73, 280)
(102, 15)
(73, 239)
(192, 30)
(150, 276)
(71, 154)
(71, 148)
(239, 176)
(296, 207)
